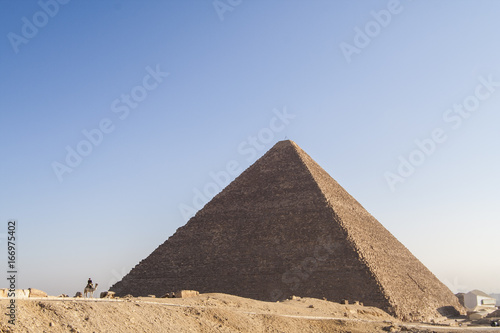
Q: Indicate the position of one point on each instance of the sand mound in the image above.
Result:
(204, 313)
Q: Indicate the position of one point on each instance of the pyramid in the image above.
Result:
(286, 227)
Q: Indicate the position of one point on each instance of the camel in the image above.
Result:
(89, 292)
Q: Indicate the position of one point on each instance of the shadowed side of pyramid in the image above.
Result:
(285, 227)
(256, 239)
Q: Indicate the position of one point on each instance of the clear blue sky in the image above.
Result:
(178, 89)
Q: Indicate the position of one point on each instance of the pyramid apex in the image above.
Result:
(285, 143)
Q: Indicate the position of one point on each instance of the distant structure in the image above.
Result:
(476, 300)
(285, 227)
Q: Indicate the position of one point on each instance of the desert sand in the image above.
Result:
(205, 313)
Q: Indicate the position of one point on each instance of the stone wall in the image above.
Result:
(24, 293)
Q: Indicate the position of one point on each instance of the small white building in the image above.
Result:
(476, 300)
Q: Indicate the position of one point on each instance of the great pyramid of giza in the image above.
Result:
(286, 227)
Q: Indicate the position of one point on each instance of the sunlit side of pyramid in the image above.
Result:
(285, 227)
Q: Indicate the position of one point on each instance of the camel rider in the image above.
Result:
(89, 284)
